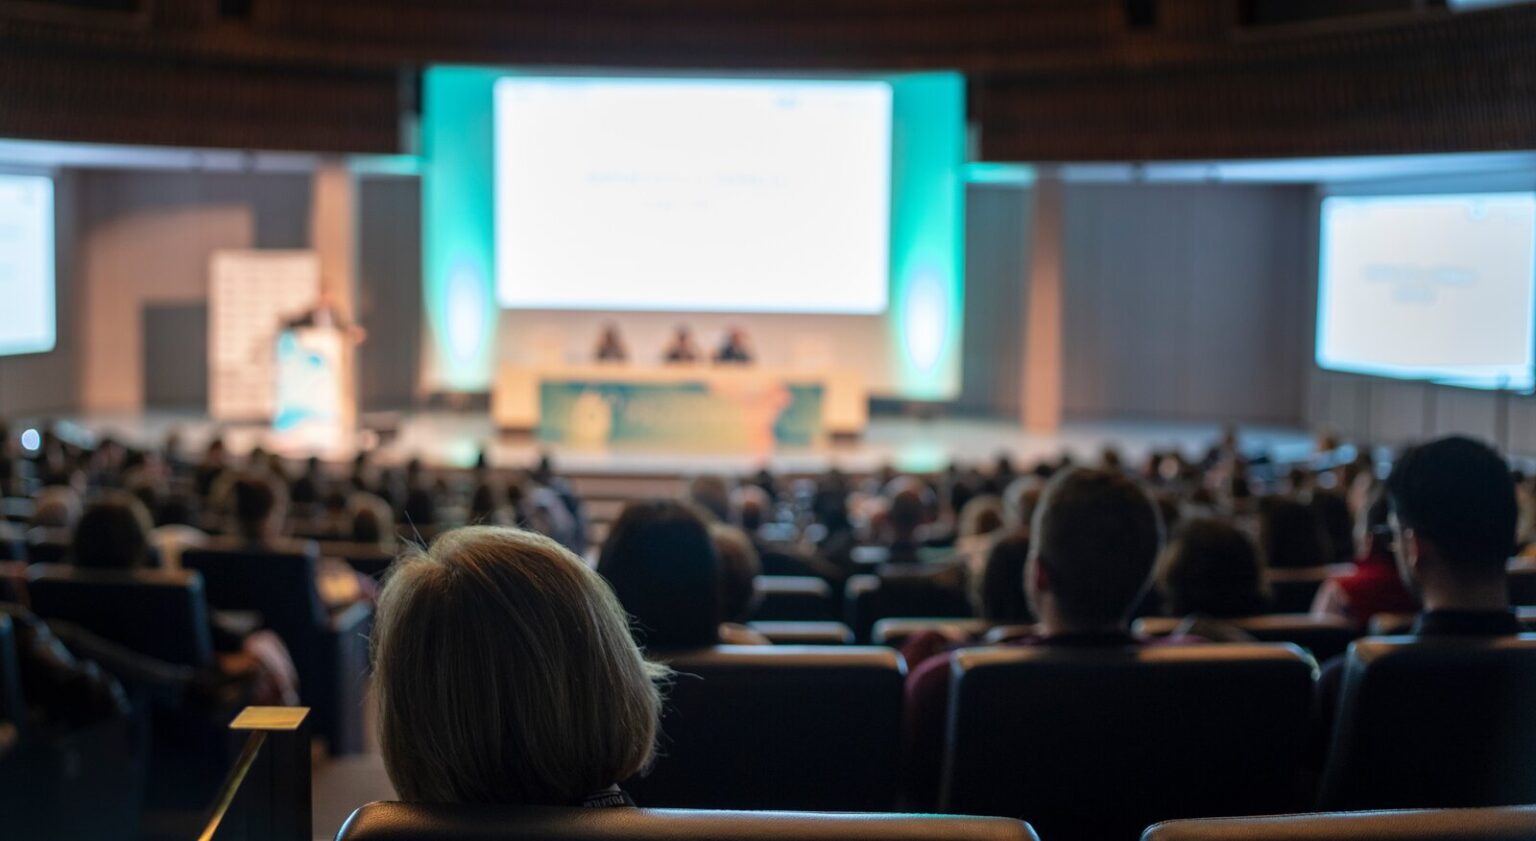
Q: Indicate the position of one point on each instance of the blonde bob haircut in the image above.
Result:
(505, 673)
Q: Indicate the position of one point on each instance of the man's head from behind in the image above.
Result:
(1453, 503)
(1094, 540)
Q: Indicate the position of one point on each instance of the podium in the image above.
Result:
(314, 408)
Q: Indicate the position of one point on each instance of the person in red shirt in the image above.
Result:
(1095, 538)
(1375, 585)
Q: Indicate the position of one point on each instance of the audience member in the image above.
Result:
(1375, 585)
(372, 521)
(538, 695)
(1453, 515)
(113, 533)
(1290, 536)
(309, 488)
(711, 493)
(56, 507)
(1000, 599)
(1093, 543)
(662, 565)
(739, 596)
(1337, 524)
(1211, 572)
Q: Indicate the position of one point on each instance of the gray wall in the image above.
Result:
(133, 250)
(1180, 301)
(997, 220)
(1186, 302)
(389, 291)
(144, 243)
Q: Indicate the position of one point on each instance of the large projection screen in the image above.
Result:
(26, 264)
(867, 276)
(693, 195)
(1429, 287)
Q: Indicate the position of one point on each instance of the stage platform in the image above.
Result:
(447, 439)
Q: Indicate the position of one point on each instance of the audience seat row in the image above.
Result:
(420, 822)
(424, 822)
(1324, 637)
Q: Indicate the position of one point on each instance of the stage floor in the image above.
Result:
(454, 439)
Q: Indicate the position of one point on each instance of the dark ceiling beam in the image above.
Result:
(1050, 79)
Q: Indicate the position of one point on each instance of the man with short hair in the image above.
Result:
(1453, 515)
(1094, 541)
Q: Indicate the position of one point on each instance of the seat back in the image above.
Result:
(280, 585)
(794, 598)
(916, 592)
(1434, 722)
(782, 727)
(434, 822)
(1293, 590)
(896, 631)
(370, 559)
(1503, 824)
(804, 633)
(48, 545)
(12, 708)
(1324, 636)
(1522, 583)
(1095, 743)
(158, 613)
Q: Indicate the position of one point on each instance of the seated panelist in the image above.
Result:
(610, 348)
(681, 350)
(735, 350)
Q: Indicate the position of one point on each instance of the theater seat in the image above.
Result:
(1099, 743)
(1503, 824)
(1293, 590)
(367, 558)
(1325, 637)
(1522, 582)
(804, 633)
(329, 650)
(895, 632)
(794, 598)
(781, 727)
(12, 709)
(157, 613)
(430, 822)
(936, 592)
(48, 545)
(1434, 722)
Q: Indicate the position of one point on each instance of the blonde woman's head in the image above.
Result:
(505, 673)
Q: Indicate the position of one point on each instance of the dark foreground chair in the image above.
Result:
(61, 782)
(330, 651)
(781, 727)
(1434, 722)
(421, 822)
(156, 613)
(1506, 824)
(1100, 743)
